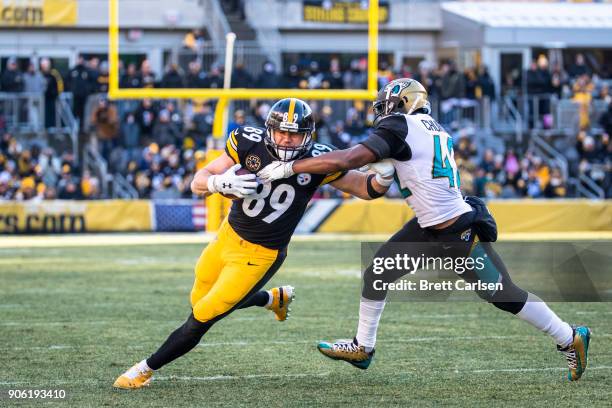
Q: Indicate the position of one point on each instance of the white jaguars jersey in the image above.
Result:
(429, 181)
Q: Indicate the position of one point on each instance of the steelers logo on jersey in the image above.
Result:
(252, 162)
(303, 179)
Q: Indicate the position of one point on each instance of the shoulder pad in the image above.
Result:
(395, 123)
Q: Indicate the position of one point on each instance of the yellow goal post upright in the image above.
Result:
(215, 207)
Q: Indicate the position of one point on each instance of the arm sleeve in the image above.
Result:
(231, 147)
(387, 140)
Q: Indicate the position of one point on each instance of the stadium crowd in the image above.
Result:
(158, 145)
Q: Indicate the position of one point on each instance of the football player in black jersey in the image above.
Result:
(251, 243)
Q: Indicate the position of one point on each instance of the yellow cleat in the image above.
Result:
(134, 378)
(281, 299)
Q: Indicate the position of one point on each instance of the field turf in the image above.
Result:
(74, 318)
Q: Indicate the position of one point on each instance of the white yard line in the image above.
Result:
(406, 340)
(74, 382)
(103, 239)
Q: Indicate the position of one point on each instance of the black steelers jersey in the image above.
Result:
(270, 216)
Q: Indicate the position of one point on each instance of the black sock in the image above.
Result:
(179, 342)
(260, 299)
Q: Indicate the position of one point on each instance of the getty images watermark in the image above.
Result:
(405, 263)
(556, 271)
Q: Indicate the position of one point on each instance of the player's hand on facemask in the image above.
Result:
(275, 171)
(230, 183)
(384, 171)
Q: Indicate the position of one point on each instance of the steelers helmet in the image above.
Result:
(289, 115)
(403, 95)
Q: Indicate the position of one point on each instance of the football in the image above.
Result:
(240, 172)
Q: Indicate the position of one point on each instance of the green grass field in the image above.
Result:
(75, 318)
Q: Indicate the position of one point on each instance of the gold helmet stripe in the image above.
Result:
(291, 109)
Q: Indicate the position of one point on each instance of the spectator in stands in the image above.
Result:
(214, 78)
(471, 84)
(268, 78)
(293, 77)
(538, 77)
(241, 78)
(131, 78)
(172, 78)
(239, 120)
(54, 87)
(583, 91)
(559, 80)
(315, 76)
(130, 132)
(555, 188)
(356, 77)
(105, 121)
(333, 78)
(102, 78)
(385, 73)
(34, 82)
(146, 114)
(196, 78)
(90, 186)
(485, 82)
(147, 76)
(79, 83)
(11, 79)
(202, 122)
(68, 187)
(165, 131)
(488, 161)
(453, 82)
(579, 67)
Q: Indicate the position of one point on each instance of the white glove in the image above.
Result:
(232, 184)
(275, 171)
(384, 171)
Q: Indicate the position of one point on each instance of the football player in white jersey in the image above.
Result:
(422, 154)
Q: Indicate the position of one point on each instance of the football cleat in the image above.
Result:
(134, 378)
(281, 299)
(576, 353)
(347, 350)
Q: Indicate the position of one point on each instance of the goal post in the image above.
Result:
(218, 206)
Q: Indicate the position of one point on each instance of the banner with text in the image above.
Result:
(38, 13)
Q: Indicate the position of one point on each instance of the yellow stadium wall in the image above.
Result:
(387, 216)
(75, 216)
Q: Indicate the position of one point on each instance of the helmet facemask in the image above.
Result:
(287, 153)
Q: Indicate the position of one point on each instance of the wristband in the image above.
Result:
(371, 191)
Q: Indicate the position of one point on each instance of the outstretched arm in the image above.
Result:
(338, 160)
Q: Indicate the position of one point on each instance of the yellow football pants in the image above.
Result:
(228, 272)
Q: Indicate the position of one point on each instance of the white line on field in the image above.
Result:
(291, 375)
(407, 340)
(527, 370)
(240, 377)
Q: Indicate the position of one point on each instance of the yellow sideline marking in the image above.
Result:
(152, 238)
